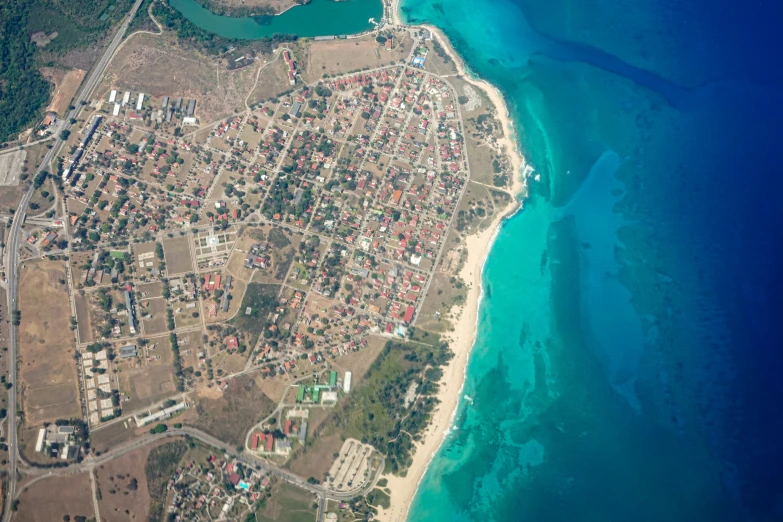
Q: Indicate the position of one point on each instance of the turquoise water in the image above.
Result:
(625, 366)
(318, 18)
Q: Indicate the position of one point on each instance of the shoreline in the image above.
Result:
(462, 339)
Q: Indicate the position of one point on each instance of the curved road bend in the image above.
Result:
(13, 245)
(246, 458)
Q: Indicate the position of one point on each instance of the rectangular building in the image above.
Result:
(116, 111)
(113, 96)
(347, 382)
(126, 352)
(140, 101)
(126, 98)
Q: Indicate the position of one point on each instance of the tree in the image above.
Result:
(462, 100)
(64, 134)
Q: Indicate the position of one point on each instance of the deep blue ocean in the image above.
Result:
(629, 364)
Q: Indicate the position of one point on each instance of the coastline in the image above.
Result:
(462, 339)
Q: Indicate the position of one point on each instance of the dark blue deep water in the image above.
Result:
(629, 364)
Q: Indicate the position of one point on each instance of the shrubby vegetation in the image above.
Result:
(23, 90)
(161, 464)
(377, 412)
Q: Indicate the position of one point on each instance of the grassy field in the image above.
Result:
(287, 504)
(261, 299)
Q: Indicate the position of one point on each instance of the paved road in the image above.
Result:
(12, 245)
(249, 459)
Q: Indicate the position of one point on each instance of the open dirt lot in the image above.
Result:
(319, 455)
(11, 164)
(65, 87)
(52, 498)
(10, 197)
(230, 416)
(158, 66)
(151, 379)
(359, 362)
(287, 504)
(177, 254)
(118, 490)
(48, 371)
(156, 308)
(272, 81)
(342, 56)
(114, 435)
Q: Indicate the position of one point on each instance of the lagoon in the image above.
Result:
(318, 18)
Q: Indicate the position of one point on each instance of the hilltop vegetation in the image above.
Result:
(60, 27)
(23, 90)
(78, 23)
(393, 405)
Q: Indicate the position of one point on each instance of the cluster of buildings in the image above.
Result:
(218, 489)
(57, 441)
(291, 67)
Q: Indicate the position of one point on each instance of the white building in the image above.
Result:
(40, 441)
(140, 101)
(113, 96)
(126, 98)
(347, 382)
(116, 110)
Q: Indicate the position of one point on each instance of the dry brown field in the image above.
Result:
(159, 66)
(10, 196)
(272, 82)
(273, 387)
(359, 362)
(152, 290)
(84, 323)
(177, 254)
(229, 5)
(230, 416)
(117, 492)
(152, 379)
(156, 324)
(114, 434)
(50, 499)
(65, 87)
(145, 248)
(48, 372)
(336, 57)
(318, 455)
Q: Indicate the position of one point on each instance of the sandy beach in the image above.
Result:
(462, 339)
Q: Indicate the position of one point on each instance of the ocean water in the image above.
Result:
(628, 366)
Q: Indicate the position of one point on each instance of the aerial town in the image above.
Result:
(227, 300)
